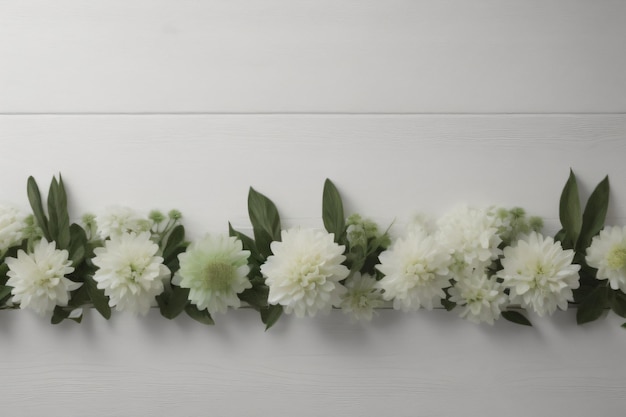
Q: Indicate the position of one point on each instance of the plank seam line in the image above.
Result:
(73, 114)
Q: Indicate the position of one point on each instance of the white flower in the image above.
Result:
(539, 273)
(12, 225)
(607, 253)
(117, 220)
(38, 278)
(304, 271)
(471, 235)
(416, 272)
(215, 270)
(130, 273)
(362, 296)
(480, 296)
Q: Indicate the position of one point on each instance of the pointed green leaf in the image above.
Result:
(332, 211)
(265, 221)
(52, 211)
(99, 300)
(173, 303)
(201, 316)
(593, 306)
(59, 314)
(270, 315)
(247, 243)
(617, 301)
(174, 240)
(569, 212)
(594, 215)
(447, 304)
(78, 244)
(516, 317)
(5, 291)
(34, 198)
(63, 217)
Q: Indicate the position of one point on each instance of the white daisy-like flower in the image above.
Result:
(539, 273)
(129, 271)
(471, 235)
(607, 253)
(304, 271)
(480, 297)
(416, 272)
(12, 225)
(116, 220)
(362, 296)
(215, 270)
(38, 278)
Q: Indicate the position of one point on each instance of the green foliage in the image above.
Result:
(332, 211)
(593, 306)
(201, 316)
(270, 315)
(577, 233)
(265, 221)
(516, 317)
(172, 301)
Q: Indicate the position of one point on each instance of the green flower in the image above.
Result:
(215, 270)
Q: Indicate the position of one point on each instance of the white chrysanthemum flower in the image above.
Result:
(480, 297)
(362, 296)
(129, 271)
(215, 270)
(471, 235)
(416, 272)
(539, 273)
(304, 271)
(38, 278)
(607, 253)
(12, 225)
(117, 220)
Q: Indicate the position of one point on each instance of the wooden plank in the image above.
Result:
(386, 167)
(442, 56)
(427, 363)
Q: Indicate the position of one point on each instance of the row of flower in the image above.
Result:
(485, 263)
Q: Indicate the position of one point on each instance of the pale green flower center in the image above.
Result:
(218, 276)
(616, 258)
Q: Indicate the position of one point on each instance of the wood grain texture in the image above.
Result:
(312, 56)
(428, 363)
(386, 167)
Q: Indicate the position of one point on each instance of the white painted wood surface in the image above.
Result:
(312, 56)
(124, 59)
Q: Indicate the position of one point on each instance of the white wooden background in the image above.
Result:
(406, 105)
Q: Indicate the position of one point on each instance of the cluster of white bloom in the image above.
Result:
(460, 259)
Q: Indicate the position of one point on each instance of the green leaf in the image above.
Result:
(569, 212)
(247, 243)
(255, 296)
(52, 212)
(201, 316)
(5, 291)
(624, 326)
(34, 198)
(63, 313)
(332, 211)
(447, 304)
(78, 244)
(270, 315)
(593, 306)
(265, 221)
(173, 303)
(99, 300)
(617, 301)
(174, 240)
(63, 217)
(594, 215)
(516, 317)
